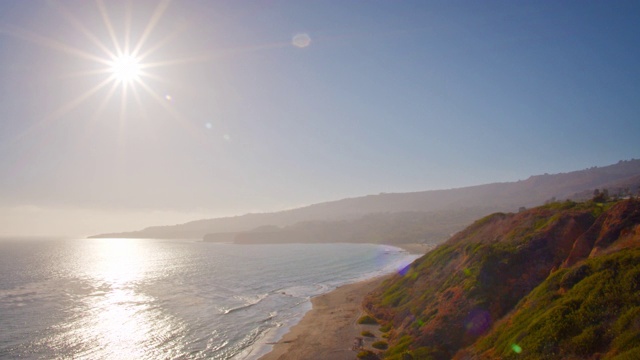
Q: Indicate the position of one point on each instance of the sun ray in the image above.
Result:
(122, 117)
(93, 118)
(188, 125)
(123, 70)
(127, 28)
(105, 101)
(79, 100)
(64, 109)
(88, 34)
(107, 23)
(50, 43)
(122, 54)
(85, 73)
(157, 15)
(182, 61)
(141, 109)
(154, 77)
(160, 100)
(158, 45)
(136, 97)
(211, 55)
(123, 104)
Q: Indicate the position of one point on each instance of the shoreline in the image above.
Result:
(414, 248)
(328, 330)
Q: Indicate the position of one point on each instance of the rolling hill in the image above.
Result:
(462, 205)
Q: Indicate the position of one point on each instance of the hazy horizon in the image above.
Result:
(122, 115)
(109, 222)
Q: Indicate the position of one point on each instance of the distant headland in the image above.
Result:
(395, 218)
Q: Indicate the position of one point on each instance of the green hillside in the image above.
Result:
(526, 285)
(588, 309)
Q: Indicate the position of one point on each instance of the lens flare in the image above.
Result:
(301, 40)
(478, 322)
(516, 348)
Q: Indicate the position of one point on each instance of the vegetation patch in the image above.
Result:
(367, 320)
(400, 347)
(367, 355)
(598, 313)
(506, 288)
(381, 345)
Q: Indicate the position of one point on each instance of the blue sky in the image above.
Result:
(388, 96)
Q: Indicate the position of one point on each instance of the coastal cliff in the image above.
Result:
(558, 281)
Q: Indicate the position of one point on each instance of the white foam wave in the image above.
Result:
(248, 302)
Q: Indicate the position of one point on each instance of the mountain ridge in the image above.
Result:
(502, 196)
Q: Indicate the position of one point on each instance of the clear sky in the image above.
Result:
(229, 107)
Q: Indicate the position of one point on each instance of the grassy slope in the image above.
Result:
(454, 295)
(588, 309)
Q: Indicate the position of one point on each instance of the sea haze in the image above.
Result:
(148, 299)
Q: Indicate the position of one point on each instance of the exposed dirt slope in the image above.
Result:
(448, 299)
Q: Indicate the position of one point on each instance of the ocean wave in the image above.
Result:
(249, 302)
(305, 291)
(206, 306)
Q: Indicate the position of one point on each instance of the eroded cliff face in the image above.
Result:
(615, 229)
(455, 295)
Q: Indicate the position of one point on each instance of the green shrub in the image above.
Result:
(587, 342)
(597, 312)
(385, 328)
(367, 355)
(574, 276)
(400, 346)
(367, 320)
(367, 333)
(404, 356)
(629, 355)
(382, 345)
(423, 353)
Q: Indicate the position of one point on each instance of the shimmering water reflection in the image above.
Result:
(150, 299)
(112, 316)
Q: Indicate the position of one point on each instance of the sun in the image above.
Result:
(125, 69)
(126, 62)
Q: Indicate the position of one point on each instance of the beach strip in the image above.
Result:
(328, 330)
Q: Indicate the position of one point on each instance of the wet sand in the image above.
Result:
(328, 330)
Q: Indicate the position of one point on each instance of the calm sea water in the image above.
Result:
(160, 299)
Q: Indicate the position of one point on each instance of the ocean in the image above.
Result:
(167, 299)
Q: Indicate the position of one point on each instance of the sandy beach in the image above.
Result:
(328, 330)
(416, 248)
